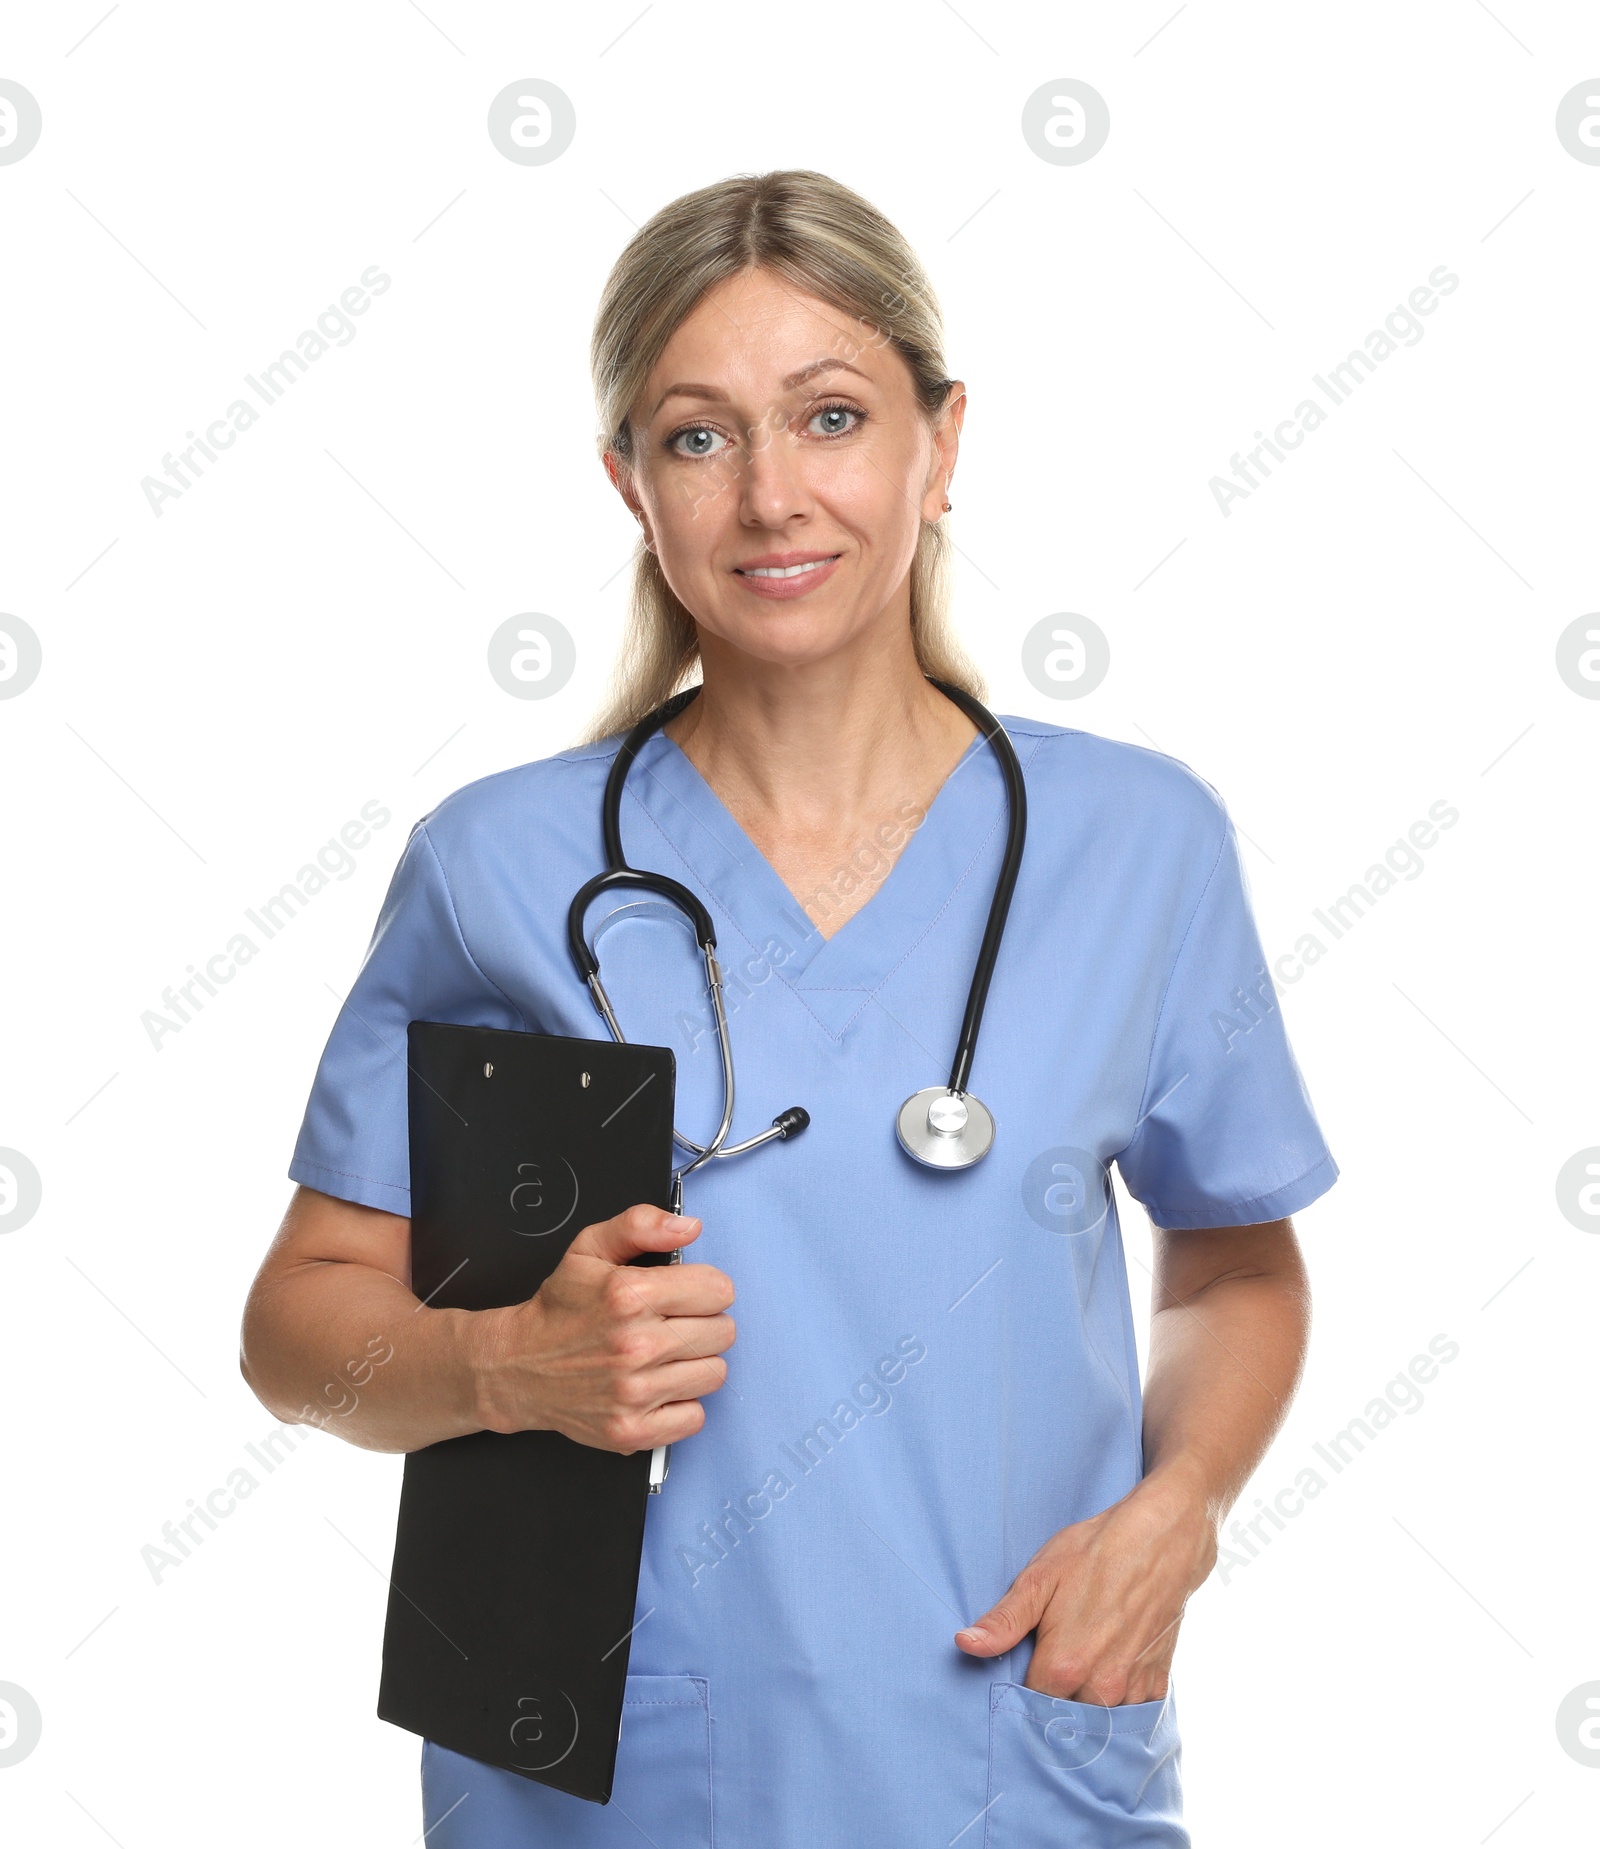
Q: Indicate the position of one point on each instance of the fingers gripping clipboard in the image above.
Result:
(516, 1562)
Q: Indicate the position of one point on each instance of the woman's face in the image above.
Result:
(776, 432)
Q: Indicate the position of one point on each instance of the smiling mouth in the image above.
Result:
(785, 571)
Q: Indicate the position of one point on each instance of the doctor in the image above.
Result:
(917, 1571)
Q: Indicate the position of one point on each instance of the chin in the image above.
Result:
(787, 636)
(793, 630)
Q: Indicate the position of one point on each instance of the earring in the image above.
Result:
(947, 507)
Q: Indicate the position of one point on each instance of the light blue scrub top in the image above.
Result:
(934, 1371)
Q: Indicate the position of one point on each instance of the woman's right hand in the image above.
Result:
(611, 1354)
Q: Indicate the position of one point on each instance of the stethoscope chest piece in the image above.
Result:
(942, 1128)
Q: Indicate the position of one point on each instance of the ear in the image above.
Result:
(622, 480)
(946, 443)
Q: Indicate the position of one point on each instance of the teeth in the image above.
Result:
(781, 571)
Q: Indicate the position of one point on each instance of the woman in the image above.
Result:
(917, 1572)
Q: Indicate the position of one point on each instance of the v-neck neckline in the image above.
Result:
(835, 976)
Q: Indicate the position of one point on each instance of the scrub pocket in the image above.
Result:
(1068, 1772)
(663, 1779)
(662, 1785)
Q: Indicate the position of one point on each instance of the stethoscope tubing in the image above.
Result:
(619, 875)
(1005, 884)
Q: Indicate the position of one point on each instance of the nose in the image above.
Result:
(774, 490)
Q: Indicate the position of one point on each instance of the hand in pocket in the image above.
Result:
(1105, 1597)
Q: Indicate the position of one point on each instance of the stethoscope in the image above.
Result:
(943, 1126)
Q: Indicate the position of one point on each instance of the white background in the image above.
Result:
(1371, 631)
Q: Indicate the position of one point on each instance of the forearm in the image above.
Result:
(348, 1348)
(1224, 1364)
(1105, 1595)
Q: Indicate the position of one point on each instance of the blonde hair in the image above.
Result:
(830, 242)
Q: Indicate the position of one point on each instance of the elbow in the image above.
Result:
(270, 1400)
(255, 1349)
(249, 1374)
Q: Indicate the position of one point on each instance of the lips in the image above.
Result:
(782, 565)
(781, 577)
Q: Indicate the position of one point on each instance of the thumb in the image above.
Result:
(636, 1229)
(1004, 1625)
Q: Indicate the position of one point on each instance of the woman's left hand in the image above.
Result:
(1105, 1597)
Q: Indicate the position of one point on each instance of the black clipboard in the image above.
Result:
(516, 1561)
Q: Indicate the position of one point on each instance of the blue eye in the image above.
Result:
(831, 418)
(697, 440)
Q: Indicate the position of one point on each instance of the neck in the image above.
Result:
(820, 748)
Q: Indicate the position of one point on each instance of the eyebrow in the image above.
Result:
(828, 363)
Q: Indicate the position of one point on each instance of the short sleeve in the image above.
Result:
(1226, 1134)
(354, 1141)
